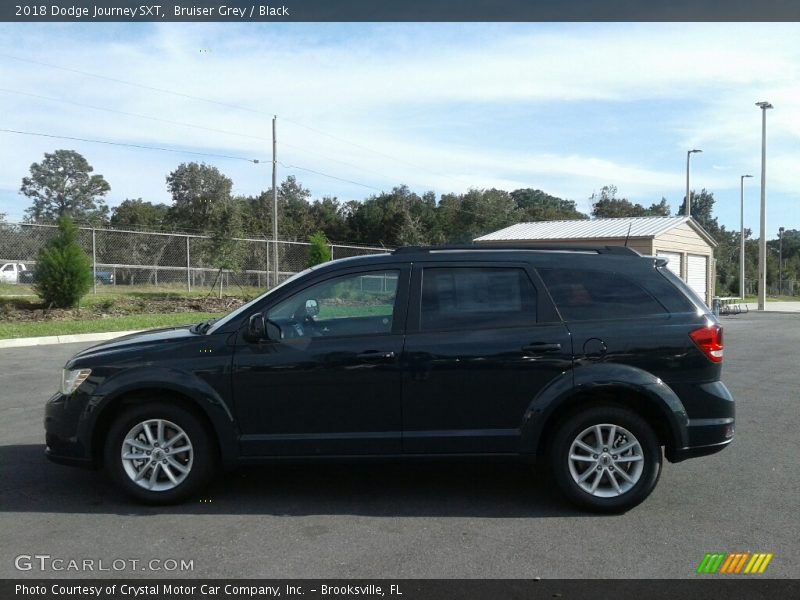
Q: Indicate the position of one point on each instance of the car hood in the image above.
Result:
(138, 340)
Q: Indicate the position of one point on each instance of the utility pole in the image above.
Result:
(780, 261)
(275, 198)
(688, 211)
(762, 243)
(741, 238)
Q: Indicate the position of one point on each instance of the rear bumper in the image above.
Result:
(708, 434)
(718, 434)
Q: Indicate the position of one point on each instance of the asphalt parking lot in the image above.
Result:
(419, 520)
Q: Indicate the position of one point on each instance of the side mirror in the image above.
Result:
(260, 329)
(256, 328)
(312, 308)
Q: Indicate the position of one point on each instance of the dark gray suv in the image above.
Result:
(594, 358)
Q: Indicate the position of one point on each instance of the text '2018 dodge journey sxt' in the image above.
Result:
(594, 358)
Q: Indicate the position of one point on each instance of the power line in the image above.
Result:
(130, 114)
(139, 146)
(192, 125)
(132, 84)
(158, 148)
(336, 160)
(355, 145)
(328, 176)
(228, 105)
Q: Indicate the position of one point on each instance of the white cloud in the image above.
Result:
(394, 89)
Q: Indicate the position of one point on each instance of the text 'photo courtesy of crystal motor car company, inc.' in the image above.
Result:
(596, 360)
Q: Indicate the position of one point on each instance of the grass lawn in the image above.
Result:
(137, 291)
(338, 312)
(129, 322)
(754, 299)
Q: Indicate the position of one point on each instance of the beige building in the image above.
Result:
(689, 248)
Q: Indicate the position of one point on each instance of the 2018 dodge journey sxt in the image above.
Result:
(594, 358)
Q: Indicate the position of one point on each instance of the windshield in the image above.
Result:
(244, 307)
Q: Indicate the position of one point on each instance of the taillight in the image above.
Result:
(709, 340)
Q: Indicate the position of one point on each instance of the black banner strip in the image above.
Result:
(397, 10)
(711, 588)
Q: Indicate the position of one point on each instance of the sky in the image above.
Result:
(361, 108)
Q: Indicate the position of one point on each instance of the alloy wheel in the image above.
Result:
(157, 455)
(606, 460)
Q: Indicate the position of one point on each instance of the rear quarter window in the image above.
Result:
(584, 295)
(680, 293)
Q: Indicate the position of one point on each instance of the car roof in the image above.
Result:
(488, 252)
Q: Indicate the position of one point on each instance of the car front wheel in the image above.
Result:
(606, 459)
(159, 453)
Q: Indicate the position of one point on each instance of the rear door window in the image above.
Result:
(476, 298)
(583, 295)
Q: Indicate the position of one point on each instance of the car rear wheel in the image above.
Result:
(606, 459)
(160, 453)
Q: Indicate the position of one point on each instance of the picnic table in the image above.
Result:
(728, 305)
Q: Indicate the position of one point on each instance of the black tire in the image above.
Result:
(648, 448)
(201, 462)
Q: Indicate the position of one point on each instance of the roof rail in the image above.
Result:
(496, 247)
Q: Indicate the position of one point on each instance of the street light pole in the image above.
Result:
(741, 238)
(762, 243)
(275, 199)
(780, 261)
(688, 210)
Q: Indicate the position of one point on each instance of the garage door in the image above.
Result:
(698, 274)
(674, 263)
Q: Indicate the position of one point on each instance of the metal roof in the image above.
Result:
(592, 229)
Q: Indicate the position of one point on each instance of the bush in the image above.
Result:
(63, 271)
(319, 251)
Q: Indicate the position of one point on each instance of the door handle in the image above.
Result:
(539, 347)
(375, 356)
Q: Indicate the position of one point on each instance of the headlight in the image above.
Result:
(71, 380)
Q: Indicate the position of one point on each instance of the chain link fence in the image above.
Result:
(786, 287)
(128, 259)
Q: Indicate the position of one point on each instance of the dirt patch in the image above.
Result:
(18, 309)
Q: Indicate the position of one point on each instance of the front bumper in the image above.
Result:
(62, 425)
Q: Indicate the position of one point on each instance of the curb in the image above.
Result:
(778, 309)
(63, 339)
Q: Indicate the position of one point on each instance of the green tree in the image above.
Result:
(660, 209)
(62, 184)
(296, 217)
(257, 214)
(295, 221)
(390, 218)
(138, 214)
(63, 271)
(222, 250)
(225, 252)
(319, 252)
(329, 217)
(478, 212)
(197, 191)
(702, 210)
(606, 205)
(126, 249)
(536, 205)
